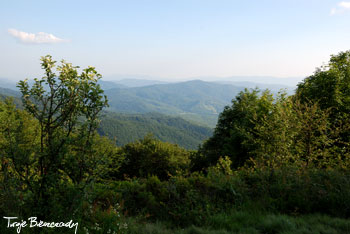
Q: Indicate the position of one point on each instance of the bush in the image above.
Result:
(152, 157)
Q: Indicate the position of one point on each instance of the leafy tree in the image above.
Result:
(233, 133)
(330, 86)
(295, 133)
(149, 156)
(66, 107)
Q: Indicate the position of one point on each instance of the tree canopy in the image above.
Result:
(233, 133)
(329, 86)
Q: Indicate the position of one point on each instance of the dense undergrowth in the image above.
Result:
(257, 197)
(186, 201)
(278, 201)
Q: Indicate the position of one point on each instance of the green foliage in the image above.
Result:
(101, 212)
(299, 134)
(261, 131)
(194, 199)
(152, 157)
(179, 200)
(233, 133)
(292, 191)
(330, 86)
(19, 143)
(223, 166)
(66, 107)
(51, 152)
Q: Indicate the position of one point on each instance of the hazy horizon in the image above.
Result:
(287, 81)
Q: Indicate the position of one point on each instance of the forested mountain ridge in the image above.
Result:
(184, 96)
(193, 100)
(132, 82)
(6, 93)
(9, 92)
(126, 128)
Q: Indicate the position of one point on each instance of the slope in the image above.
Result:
(125, 128)
(193, 100)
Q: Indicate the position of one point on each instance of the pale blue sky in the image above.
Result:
(174, 39)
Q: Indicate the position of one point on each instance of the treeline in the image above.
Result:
(282, 155)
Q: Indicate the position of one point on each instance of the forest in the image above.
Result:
(275, 163)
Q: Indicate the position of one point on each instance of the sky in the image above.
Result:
(174, 39)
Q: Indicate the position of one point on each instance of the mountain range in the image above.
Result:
(197, 101)
(194, 100)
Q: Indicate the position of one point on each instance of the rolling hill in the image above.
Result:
(125, 128)
(131, 83)
(193, 100)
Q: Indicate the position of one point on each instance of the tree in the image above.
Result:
(66, 107)
(149, 156)
(233, 133)
(294, 134)
(329, 86)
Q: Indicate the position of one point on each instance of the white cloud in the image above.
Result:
(35, 38)
(340, 8)
(344, 5)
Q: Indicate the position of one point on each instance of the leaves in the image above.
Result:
(53, 145)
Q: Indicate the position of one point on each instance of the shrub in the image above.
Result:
(152, 157)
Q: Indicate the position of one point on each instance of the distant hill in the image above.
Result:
(8, 84)
(267, 80)
(105, 85)
(134, 80)
(274, 88)
(127, 128)
(9, 93)
(131, 83)
(193, 100)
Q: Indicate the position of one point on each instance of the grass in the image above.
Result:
(246, 222)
